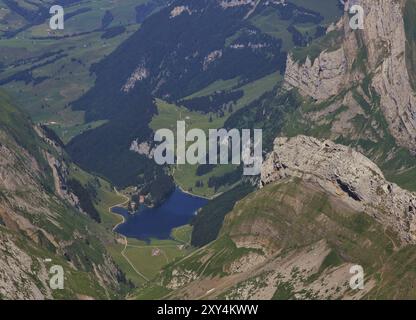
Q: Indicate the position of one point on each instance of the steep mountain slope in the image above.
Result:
(324, 207)
(384, 50)
(44, 70)
(343, 172)
(20, 15)
(39, 226)
(178, 53)
(354, 87)
(317, 215)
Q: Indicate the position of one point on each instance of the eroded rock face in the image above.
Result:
(320, 79)
(32, 223)
(235, 3)
(383, 40)
(346, 174)
(138, 75)
(19, 271)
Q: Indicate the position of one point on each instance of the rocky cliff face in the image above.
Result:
(322, 78)
(322, 209)
(347, 175)
(378, 54)
(39, 224)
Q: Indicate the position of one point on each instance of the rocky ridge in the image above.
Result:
(39, 220)
(346, 174)
(378, 53)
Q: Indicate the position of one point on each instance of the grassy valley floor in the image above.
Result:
(140, 261)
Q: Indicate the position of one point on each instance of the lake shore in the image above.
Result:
(158, 222)
(199, 196)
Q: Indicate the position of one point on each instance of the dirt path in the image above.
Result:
(126, 243)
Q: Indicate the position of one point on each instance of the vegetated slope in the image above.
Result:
(315, 217)
(178, 51)
(45, 70)
(208, 222)
(25, 14)
(38, 220)
(286, 241)
(21, 15)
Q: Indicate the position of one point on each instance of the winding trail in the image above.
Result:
(126, 242)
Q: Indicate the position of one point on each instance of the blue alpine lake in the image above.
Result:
(158, 222)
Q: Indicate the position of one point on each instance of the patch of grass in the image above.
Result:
(105, 195)
(330, 10)
(151, 258)
(331, 260)
(330, 42)
(168, 115)
(270, 22)
(219, 85)
(151, 293)
(284, 291)
(115, 252)
(80, 45)
(361, 223)
(182, 234)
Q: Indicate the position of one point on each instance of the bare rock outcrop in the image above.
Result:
(18, 273)
(235, 3)
(320, 79)
(347, 175)
(34, 214)
(381, 48)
